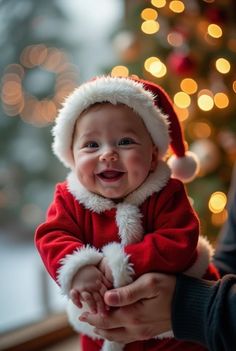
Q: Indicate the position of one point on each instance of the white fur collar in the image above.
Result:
(154, 183)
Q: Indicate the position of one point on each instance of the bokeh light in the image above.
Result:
(149, 61)
(158, 69)
(217, 202)
(182, 100)
(175, 39)
(149, 14)
(189, 85)
(177, 6)
(158, 3)
(150, 27)
(223, 65)
(221, 100)
(120, 71)
(214, 30)
(205, 100)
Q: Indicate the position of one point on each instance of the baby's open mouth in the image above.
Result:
(110, 175)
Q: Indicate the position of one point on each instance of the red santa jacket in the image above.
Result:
(153, 229)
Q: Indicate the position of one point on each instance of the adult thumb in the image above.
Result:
(145, 286)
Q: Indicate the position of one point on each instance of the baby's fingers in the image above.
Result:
(75, 297)
(101, 307)
(107, 282)
(89, 299)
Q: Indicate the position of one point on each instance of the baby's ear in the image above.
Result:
(154, 161)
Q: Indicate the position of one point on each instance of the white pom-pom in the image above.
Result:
(184, 168)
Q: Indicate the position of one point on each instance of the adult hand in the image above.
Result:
(144, 309)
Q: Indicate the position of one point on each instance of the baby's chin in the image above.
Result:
(113, 196)
(117, 196)
(115, 199)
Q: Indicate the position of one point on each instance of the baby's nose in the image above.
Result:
(109, 155)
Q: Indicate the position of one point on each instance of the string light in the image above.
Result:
(189, 85)
(177, 6)
(222, 65)
(158, 69)
(221, 100)
(214, 31)
(158, 3)
(205, 100)
(120, 71)
(149, 14)
(217, 202)
(182, 99)
(150, 27)
(149, 61)
(155, 66)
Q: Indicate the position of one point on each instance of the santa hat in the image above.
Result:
(147, 99)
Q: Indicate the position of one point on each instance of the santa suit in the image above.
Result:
(152, 229)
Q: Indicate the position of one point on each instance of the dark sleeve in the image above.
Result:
(205, 312)
(225, 255)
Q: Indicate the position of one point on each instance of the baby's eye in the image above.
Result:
(91, 144)
(126, 141)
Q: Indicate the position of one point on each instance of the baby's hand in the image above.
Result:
(89, 285)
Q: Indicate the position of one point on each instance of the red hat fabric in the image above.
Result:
(184, 164)
(147, 99)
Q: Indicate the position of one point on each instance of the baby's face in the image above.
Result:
(113, 151)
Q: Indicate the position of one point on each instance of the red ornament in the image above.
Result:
(216, 15)
(181, 64)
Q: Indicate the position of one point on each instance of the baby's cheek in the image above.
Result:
(142, 162)
(84, 164)
(136, 158)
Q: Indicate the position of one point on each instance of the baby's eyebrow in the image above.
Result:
(88, 134)
(131, 131)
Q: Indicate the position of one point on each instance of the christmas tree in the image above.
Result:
(189, 48)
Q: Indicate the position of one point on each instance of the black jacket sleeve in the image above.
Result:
(205, 312)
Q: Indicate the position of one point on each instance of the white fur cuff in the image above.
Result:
(118, 261)
(72, 263)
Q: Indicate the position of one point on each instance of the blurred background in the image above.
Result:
(50, 47)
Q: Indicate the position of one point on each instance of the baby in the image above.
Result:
(122, 211)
